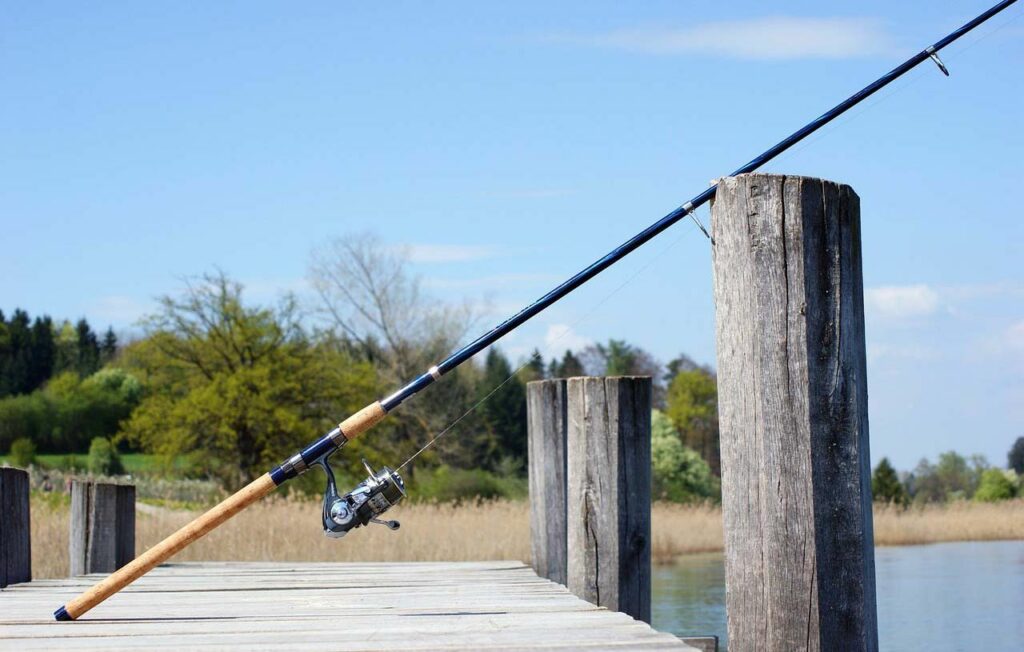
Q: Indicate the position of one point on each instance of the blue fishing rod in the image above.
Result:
(383, 489)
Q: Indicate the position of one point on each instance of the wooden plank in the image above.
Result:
(15, 531)
(418, 606)
(609, 492)
(547, 431)
(102, 533)
(793, 415)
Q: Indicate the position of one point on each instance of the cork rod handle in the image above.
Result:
(159, 553)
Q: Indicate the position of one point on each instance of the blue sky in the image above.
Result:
(509, 145)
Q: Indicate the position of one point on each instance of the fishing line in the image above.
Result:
(915, 77)
(549, 347)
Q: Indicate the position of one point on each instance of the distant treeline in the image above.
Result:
(55, 388)
(226, 389)
(221, 388)
(33, 351)
(953, 477)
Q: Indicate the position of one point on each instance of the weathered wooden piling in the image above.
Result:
(547, 423)
(609, 492)
(102, 534)
(15, 533)
(792, 389)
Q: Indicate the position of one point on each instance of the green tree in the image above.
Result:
(103, 458)
(995, 486)
(236, 388)
(108, 349)
(692, 405)
(1015, 458)
(678, 473)
(65, 340)
(42, 354)
(23, 453)
(503, 412)
(569, 367)
(886, 486)
(533, 369)
(87, 348)
(16, 365)
(953, 477)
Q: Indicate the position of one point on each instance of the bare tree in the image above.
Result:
(372, 302)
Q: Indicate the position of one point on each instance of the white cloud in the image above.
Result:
(119, 310)
(435, 253)
(561, 337)
(901, 301)
(772, 37)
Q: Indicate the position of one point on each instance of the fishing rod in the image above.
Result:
(385, 488)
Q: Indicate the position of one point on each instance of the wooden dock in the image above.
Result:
(498, 605)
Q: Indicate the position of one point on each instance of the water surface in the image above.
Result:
(947, 596)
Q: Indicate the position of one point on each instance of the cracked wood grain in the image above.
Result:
(793, 414)
(546, 441)
(609, 492)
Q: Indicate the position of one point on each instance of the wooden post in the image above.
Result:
(609, 493)
(792, 388)
(546, 428)
(15, 533)
(102, 527)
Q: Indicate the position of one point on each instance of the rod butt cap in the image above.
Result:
(62, 614)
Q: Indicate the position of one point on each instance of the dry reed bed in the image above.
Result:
(286, 530)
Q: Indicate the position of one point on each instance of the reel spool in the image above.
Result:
(378, 493)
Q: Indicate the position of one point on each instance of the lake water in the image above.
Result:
(948, 596)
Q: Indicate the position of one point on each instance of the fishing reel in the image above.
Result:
(378, 493)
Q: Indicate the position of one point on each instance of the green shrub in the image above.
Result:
(70, 463)
(103, 459)
(679, 474)
(23, 452)
(995, 486)
(445, 484)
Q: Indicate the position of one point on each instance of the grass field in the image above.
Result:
(289, 530)
(132, 462)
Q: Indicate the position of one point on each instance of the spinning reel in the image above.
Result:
(378, 493)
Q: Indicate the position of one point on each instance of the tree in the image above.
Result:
(692, 405)
(995, 486)
(236, 388)
(569, 367)
(66, 414)
(23, 453)
(503, 411)
(886, 486)
(376, 311)
(103, 458)
(108, 349)
(620, 358)
(66, 344)
(678, 473)
(533, 369)
(87, 348)
(42, 354)
(953, 477)
(1015, 458)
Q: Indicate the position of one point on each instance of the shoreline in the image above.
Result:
(289, 530)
